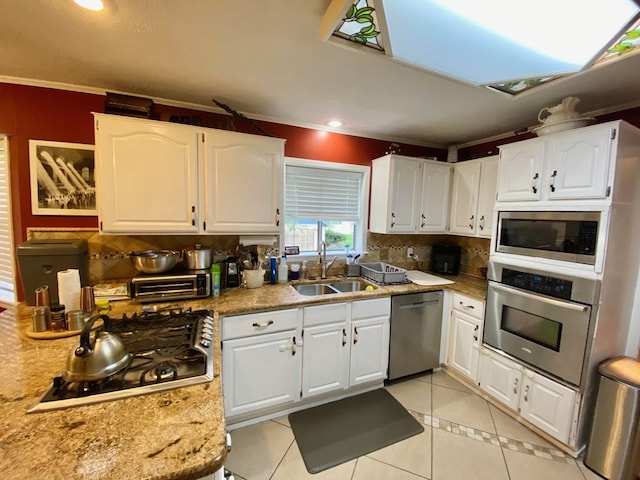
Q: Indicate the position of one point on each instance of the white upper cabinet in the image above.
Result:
(473, 196)
(409, 195)
(241, 183)
(571, 165)
(146, 176)
(159, 177)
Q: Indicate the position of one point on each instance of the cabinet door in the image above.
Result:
(464, 198)
(369, 350)
(241, 183)
(520, 171)
(464, 343)
(260, 371)
(404, 191)
(325, 361)
(146, 176)
(579, 164)
(435, 198)
(501, 378)
(547, 405)
(487, 195)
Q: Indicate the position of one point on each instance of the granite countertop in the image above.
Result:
(172, 435)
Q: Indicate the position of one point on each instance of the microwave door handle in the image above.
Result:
(558, 303)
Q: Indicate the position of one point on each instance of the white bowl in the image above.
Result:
(555, 127)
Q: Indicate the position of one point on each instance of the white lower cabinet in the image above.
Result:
(325, 361)
(261, 362)
(274, 359)
(541, 401)
(465, 335)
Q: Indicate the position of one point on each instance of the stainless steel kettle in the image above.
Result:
(89, 362)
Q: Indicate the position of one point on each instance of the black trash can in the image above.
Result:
(613, 450)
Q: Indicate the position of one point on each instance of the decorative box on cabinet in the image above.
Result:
(409, 195)
(473, 196)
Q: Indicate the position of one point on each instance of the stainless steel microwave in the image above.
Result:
(556, 235)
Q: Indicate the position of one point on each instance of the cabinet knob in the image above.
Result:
(552, 181)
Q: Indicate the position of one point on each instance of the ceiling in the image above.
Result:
(266, 60)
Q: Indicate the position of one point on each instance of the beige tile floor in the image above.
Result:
(464, 438)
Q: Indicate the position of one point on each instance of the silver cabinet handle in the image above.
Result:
(534, 189)
(515, 386)
(293, 346)
(393, 219)
(263, 324)
(576, 307)
(466, 306)
(355, 335)
(475, 335)
(481, 224)
(277, 217)
(228, 441)
(193, 215)
(526, 393)
(344, 337)
(424, 220)
(552, 181)
(471, 221)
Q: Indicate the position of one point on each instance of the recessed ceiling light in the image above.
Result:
(334, 123)
(95, 5)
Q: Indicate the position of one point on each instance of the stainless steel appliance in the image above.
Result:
(557, 235)
(416, 324)
(167, 349)
(173, 286)
(542, 319)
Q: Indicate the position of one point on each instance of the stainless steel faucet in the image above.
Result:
(322, 260)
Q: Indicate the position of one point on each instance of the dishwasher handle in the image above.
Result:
(420, 304)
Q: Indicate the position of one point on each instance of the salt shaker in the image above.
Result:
(41, 319)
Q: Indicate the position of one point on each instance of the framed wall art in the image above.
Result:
(62, 178)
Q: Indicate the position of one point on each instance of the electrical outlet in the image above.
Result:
(410, 252)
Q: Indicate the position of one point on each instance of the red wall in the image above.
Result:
(55, 115)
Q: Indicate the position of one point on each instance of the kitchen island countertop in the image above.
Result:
(171, 435)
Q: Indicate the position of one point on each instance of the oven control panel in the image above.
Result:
(544, 284)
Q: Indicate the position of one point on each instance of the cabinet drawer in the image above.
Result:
(259, 323)
(469, 305)
(328, 313)
(376, 307)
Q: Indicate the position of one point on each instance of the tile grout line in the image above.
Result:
(493, 439)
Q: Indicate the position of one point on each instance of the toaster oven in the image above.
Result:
(158, 288)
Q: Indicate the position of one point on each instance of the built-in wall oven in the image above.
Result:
(544, 319)
(556, 235)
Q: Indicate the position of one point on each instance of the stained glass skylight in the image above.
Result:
(491, 43)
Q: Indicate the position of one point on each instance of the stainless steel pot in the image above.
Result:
(198, 258)
(154, 261)
(89, 362)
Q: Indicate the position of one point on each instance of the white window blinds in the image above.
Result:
(7, 279)
(322, 193)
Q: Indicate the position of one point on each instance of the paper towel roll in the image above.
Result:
(69, 289)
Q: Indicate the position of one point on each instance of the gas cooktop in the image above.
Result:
(168, 349)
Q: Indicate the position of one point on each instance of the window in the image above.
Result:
(325, 201)
(7, 278)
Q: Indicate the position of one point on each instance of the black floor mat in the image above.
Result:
(337, 432)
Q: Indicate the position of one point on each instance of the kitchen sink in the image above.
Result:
(314, 289)
(350, 286)
(331, 288)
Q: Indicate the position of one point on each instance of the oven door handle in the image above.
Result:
(558, 303)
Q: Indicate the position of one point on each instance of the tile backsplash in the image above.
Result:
(109, 253)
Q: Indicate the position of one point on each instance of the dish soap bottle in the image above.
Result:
(283, 270)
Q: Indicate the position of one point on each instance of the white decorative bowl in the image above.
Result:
(555, 127)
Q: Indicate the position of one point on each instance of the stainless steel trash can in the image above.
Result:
(613, 450)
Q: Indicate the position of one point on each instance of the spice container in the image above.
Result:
(75, 320)
(58, 323)
(41, 319)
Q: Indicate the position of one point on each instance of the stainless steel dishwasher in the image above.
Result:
(416, 323)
